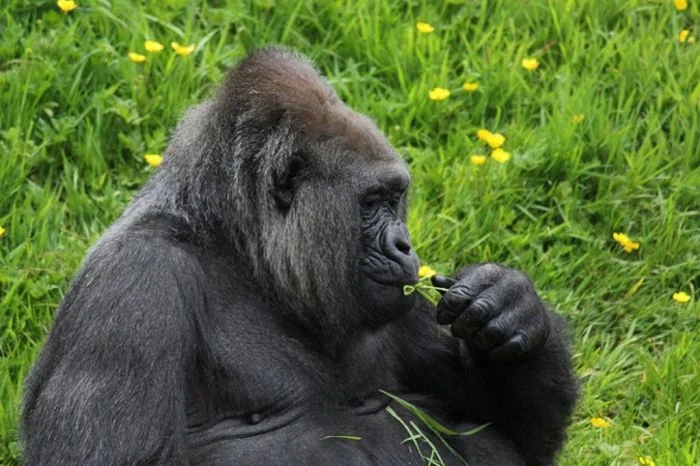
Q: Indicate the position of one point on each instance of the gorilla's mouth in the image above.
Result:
(395, 279)
(391, 273)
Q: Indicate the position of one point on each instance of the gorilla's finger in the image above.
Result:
(497, 330)
(481, 301)
(440, 281)
(461, 295)
(454, 301)
(514, 348)
(528, 336)
(474, 317)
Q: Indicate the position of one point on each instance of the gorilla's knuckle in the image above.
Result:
(520, 340)
(519, 279)
(481, 309)
(457, 297)
(491, 269)
(490, 336)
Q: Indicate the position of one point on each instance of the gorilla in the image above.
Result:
(248, 308)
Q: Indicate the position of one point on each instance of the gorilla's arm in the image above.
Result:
(526, 389)
(109, 388)
(531, 399)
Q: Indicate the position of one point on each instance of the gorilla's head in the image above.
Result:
(310, 193)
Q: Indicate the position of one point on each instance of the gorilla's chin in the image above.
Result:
(385, 302)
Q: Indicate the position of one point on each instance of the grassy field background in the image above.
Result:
(604, 137)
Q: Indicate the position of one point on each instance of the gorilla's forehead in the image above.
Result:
(355, 133)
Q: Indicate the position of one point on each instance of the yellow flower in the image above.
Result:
(426, 271)
(137, 57)
(578, 118)
(646, 461)
(627, 244)
(495, 140)
(530, 64)
(470, 86)
(439, 94)
(680, 4)
(153, 46)
(66, 5)
(681, 297)
(500, 156)
(153, 159)
(477, 159)
(691, 39)
(483, 134)
(600, 423)
(424, 28)
(683, 36)
(183, 50)
(2, 231)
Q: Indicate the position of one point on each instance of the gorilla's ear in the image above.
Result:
(286, 182)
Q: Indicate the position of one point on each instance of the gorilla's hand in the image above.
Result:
(493, 309)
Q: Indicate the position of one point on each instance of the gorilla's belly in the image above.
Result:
(341, 436)
(368, 435)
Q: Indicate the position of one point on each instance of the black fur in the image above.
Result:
(247, 308)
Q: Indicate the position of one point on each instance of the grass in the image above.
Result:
(77, 117)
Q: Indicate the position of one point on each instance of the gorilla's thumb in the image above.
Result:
(440, 281)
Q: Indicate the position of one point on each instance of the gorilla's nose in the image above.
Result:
(397, 248)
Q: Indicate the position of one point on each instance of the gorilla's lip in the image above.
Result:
(395, 282)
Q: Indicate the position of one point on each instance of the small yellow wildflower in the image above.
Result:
(183, 50)
(578, 118)
(477, 159)
(500, 156)
(530, 64)
(470, 86)
(600, 423)
(646, 461)
(483, 134)
(153, 159)
(691, 39)
(66, 5)
(681, 297)
(153, 46)
(2, 231)
(426, 271)
(680, 4)
(424, 28)
(627, 244)
(137, 57)
(495, 140)
(683, 36)
(439, 94)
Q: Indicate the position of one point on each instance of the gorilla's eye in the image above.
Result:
(287, 182)
(383, 196)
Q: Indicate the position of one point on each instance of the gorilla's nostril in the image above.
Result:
(396, 242)
(404, 247)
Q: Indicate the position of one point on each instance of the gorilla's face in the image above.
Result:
(388, 261)
(327, 196)
(349, 202)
